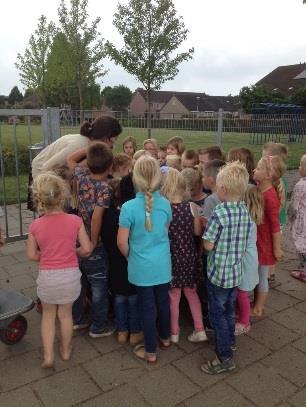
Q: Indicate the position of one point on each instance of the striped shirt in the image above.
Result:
(229, 229)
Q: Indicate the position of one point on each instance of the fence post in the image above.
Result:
(45, 126)
(54, 118)
(220, 127)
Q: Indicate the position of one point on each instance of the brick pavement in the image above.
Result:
(271, 359)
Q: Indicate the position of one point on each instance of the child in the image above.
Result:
(151, 146)
(245, 156)
(175, 146)
(184, 226)
(138, 154)
(210, 153)
(143, 240)
(173, 161)
(254, 201)
(226, 238)
(193, 179)
(268, 173)
(126, 301)
(129, 146)
(190, 159)
(297, 211)
(122, 165)
(162, 154)
(52, 241)
(93, 199)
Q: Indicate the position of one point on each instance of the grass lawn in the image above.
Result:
(193, 139)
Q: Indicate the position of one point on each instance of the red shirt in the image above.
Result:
(269, 226)
(56, 236)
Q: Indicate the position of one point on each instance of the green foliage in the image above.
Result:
(32, 64)
(259, 94)
(118, 97)
(9, 161)
(86, 46)
(299, 97)
(15, 96)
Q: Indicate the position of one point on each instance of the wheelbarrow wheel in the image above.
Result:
(15, 331)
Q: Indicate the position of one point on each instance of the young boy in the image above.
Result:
(93, 198)
(210, 153)
(225, 238)
(190, 159)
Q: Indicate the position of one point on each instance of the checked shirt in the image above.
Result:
(229, 230)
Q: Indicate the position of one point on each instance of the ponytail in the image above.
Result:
(149, 205)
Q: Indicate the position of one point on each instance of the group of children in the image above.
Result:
(154, 224)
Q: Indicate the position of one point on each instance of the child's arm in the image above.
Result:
(197, 225)
(123, 241)
(272, 208)
(96, 223)
(74, 158)
(276, 242)
(209, 246)
(86, 246)
(33, 252)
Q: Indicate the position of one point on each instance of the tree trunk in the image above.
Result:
(149, 112)
(81, 101)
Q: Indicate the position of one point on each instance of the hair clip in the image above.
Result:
(147, 214)
(51, 193)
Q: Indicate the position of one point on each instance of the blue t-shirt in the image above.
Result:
(149, 261)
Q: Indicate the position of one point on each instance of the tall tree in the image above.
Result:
(15, 96)
(151, 32)
(250, 95)
(118, 97)
(32, 64)
(86, 44)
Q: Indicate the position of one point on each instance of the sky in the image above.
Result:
(237, 42)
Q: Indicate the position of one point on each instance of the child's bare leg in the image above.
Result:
(64, 314)
(261, 291)
(48, 333)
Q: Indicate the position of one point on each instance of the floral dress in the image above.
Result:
(298, 226)
(183, 247)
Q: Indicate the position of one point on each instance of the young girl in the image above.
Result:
(193, 179)
(184, 226)
(267, 175)
(175, 146)
(143, 240)
(122, 165)
(129, 146)
(297, 217)
(125, 297)
(245, 156)
(254, 201)
(151, 146)
(52, 241)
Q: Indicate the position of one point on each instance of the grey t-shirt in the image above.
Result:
(209, 205)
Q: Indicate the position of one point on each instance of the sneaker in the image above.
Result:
(199, 336)
(122, 337)
(175, 338)
(77, 327)
(217, 366)
(136, 338)
(241, 329)
(107, 331)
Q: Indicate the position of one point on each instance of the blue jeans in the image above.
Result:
(222, 318)
(154, 305)
(95, 272)
(127, 313)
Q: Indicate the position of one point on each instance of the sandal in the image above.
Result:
(216, 366)
(299, 275)
(140, 353)
(164, 343)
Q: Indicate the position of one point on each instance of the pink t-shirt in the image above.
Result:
(56, 236)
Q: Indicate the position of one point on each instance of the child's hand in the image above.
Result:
(278, 254)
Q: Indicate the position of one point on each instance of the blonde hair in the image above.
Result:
(279, 149)
(154, 143)
(49, 192)
(138, 154)
(275, 168)
(178, 143)
(234, 177)
(173, 184)
(192, 176)
(147, 179)
(303, 162)
(255, 203)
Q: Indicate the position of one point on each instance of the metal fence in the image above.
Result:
(22, 130)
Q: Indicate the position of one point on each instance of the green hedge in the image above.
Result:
(9, 161)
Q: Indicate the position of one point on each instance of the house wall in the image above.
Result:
(173, 109)
(138, 104)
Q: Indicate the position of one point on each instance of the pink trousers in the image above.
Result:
(244, 308)
(194, 305)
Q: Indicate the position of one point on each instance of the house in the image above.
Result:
(286, 79)
(170, 104)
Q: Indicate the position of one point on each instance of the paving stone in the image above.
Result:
(165, 387)
(103, 345)
(24, 268)
(30, 292)
(271, 334)
(7, 260)
(164, 356)
(300, 344)
(298, 400)
(279, 301)
(289, 363)
(190, 366)
(12, 248)
(248, 351)
(21, 256)
(292, 319)
(29, 363)
(262, 385)
(220, 395)
(294, 288)
(23, 397)
(125, 396)
(66, 388)
(17, 283)
(301, 306)
(114, 369)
